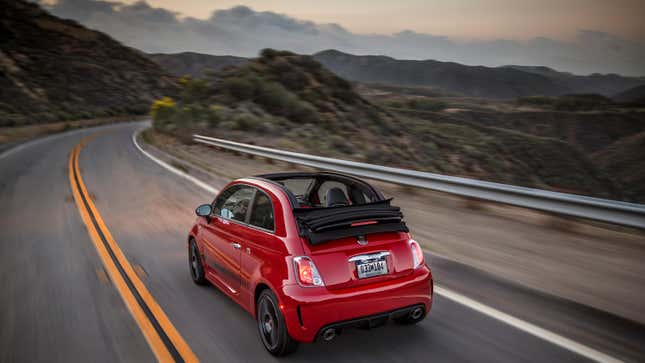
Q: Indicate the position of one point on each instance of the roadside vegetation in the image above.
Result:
(290, 101)
(582, 102)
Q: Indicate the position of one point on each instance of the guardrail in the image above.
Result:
(611, 211)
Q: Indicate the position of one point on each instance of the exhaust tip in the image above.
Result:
(329, 334)
(416, 313)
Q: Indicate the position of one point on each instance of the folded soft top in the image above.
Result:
(319, 225)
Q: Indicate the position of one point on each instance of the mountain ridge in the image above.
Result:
(451, 78)
(473, 81)
(605, 84)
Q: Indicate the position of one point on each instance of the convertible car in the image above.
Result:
(308, 255)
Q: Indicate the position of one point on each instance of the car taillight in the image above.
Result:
(306, 272)
(417, 253)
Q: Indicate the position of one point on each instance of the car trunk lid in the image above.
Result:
(356, 245)
(339, 261)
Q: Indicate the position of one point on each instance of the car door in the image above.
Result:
(223, 235)
(262, 252)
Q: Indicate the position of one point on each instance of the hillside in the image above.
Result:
(592, 125)
(604, 84)
(280, 93)
(450, 77)
(624, 160)
(291, 102)
(633, 95)
(193, 64)
(53, 69)
(587, 131)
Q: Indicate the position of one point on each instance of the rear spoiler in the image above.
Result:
(320, 225)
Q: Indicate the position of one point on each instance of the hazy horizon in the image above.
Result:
(166, 26)
(463, 20)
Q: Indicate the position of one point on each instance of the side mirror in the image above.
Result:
(204, 210)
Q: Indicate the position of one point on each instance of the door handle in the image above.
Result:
(235, 245)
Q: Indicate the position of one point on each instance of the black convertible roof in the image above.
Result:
(319, 225)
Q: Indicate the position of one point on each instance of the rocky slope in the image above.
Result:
(53, 69)
(635, 95)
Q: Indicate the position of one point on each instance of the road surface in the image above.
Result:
(59, 304)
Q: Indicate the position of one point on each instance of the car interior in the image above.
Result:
(325, 190)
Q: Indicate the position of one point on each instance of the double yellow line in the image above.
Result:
(163, 338)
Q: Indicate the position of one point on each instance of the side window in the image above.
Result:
(234, 202)
(262, 212)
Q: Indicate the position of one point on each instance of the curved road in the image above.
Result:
(58, 304)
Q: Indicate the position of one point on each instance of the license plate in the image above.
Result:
(371, 268)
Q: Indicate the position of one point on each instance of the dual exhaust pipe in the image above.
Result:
(416, 313)
(330, 333)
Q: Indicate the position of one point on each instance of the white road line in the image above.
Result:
(527, 327)
(171, 168)
(522, 325)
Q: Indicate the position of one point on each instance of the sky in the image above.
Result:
(578, 36)
(463, 19)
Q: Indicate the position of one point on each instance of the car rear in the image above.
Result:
(363, 282)
(359, 266)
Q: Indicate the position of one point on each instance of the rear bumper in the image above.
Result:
(308, 311)
(371, 321)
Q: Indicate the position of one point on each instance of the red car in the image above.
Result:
(308, 255)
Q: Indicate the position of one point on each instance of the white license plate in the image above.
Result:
(371, 268)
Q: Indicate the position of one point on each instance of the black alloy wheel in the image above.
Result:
(195, 264)
(272, 326)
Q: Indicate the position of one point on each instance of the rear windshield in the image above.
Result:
(323, 191)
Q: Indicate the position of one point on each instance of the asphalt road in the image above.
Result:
(58, 305)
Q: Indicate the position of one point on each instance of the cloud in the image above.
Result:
(242, 31)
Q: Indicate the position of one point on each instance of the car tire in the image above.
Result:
(272, 325)
(411, 318)
(195, 264)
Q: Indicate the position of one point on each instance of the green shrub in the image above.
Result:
(239, 88)
(193, 90)
(427, 104)
(244, 123)
(274, 97)
(268, 54)
(294, 79)
(575, 102)
(308, 62)
(214, 115)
